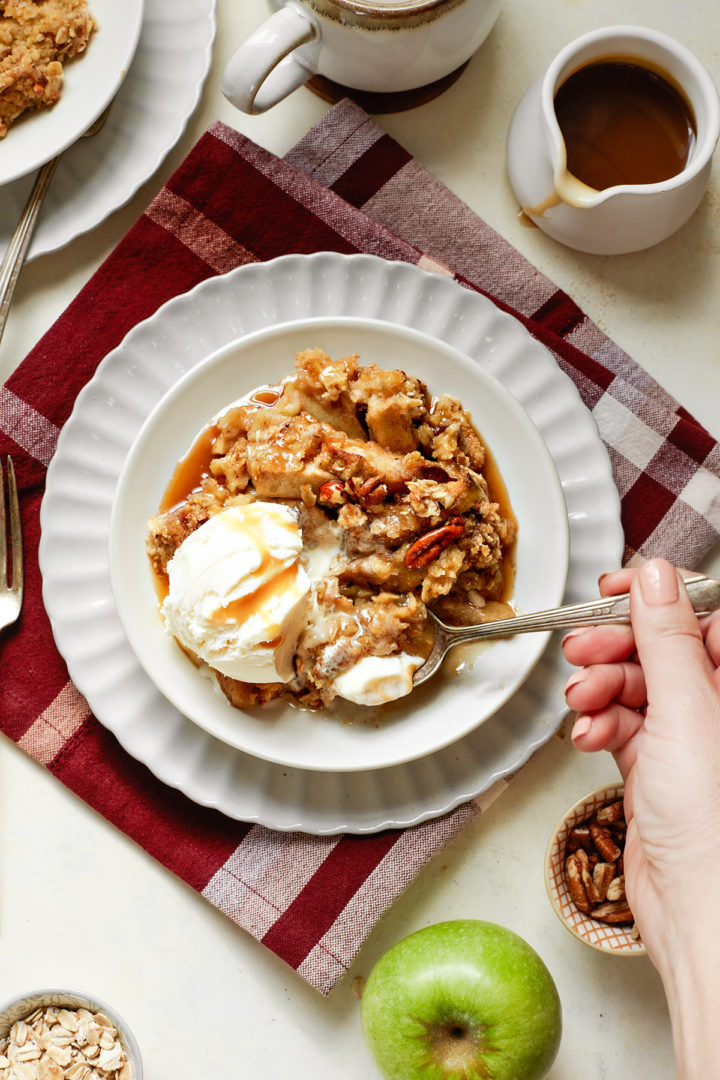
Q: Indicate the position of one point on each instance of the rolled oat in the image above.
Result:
(55, 1043)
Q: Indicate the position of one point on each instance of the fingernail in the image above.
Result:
(581, 727)
(658, 582)
(578, 632)
(575, 678)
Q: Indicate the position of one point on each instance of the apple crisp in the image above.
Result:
(36, 38)
(398, 501)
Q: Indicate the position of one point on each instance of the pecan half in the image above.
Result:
(611, 814)
(594, 865)
(603, 875)
(603, 841)
(434, 472)
(332, 492)
(614, 912)
(428, 546)
(579, 837)
(616, 889)
(372, 492)
(575, 884)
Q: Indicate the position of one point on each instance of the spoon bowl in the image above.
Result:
(704, 593)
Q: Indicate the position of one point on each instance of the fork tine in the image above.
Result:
(3, 534)
(15, 533)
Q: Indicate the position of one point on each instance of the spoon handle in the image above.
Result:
(20, 240)
(704, 593)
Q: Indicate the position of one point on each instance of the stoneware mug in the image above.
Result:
(383, 46)
(625, 217)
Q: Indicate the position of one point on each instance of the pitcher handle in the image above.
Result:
(264, 70)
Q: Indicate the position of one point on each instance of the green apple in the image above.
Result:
(462, 1000)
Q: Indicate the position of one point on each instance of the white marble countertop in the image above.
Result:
(80, 905)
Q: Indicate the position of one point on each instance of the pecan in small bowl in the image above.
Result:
(584, 873)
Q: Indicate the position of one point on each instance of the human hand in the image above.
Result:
(650, 694)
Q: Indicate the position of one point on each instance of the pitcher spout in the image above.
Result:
(574, 192)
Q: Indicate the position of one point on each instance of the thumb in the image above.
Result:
(667, 634)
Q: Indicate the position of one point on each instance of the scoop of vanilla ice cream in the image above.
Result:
(375, 680)
(238, 594)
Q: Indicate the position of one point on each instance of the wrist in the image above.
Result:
(690, 971)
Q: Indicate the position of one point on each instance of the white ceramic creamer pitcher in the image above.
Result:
(625, 217)
(382, 46)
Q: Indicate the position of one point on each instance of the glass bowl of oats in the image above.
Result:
(62, 1034)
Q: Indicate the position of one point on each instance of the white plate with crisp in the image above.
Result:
(76, 513)
(89, 82)
(98, 175)
(345, 737)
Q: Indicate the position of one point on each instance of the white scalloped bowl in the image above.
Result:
(90, 81)
(75, 524)
(346, 737)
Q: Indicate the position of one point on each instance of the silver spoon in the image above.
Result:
(704, 593)
(20, 240)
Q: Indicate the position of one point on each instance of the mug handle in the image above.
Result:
(263, 70)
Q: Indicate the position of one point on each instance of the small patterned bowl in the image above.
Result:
(608, 938)
(24, 1005)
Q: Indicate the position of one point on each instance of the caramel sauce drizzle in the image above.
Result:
(265, 397)
(238, 611)
(190, 470)
(162, 586)
(282, 577)
(194, 466)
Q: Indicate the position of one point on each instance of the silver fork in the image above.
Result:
(11, 556)
(19, 242)
(704, 593)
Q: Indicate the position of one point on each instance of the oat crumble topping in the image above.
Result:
(36, 38)
(406, 481)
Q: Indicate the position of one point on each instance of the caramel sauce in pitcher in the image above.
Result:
(623, 123)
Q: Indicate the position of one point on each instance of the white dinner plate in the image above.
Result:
(345, 737)
(89, 82)
(98, 175)
(76, 511)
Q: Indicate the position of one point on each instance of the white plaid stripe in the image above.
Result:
(47, 735)
(391, 876)
(340, 154)
(701, 492)
(622, 429)
(261, 867)
(27, 427)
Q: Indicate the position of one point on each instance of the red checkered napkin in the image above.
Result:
(346, 187)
